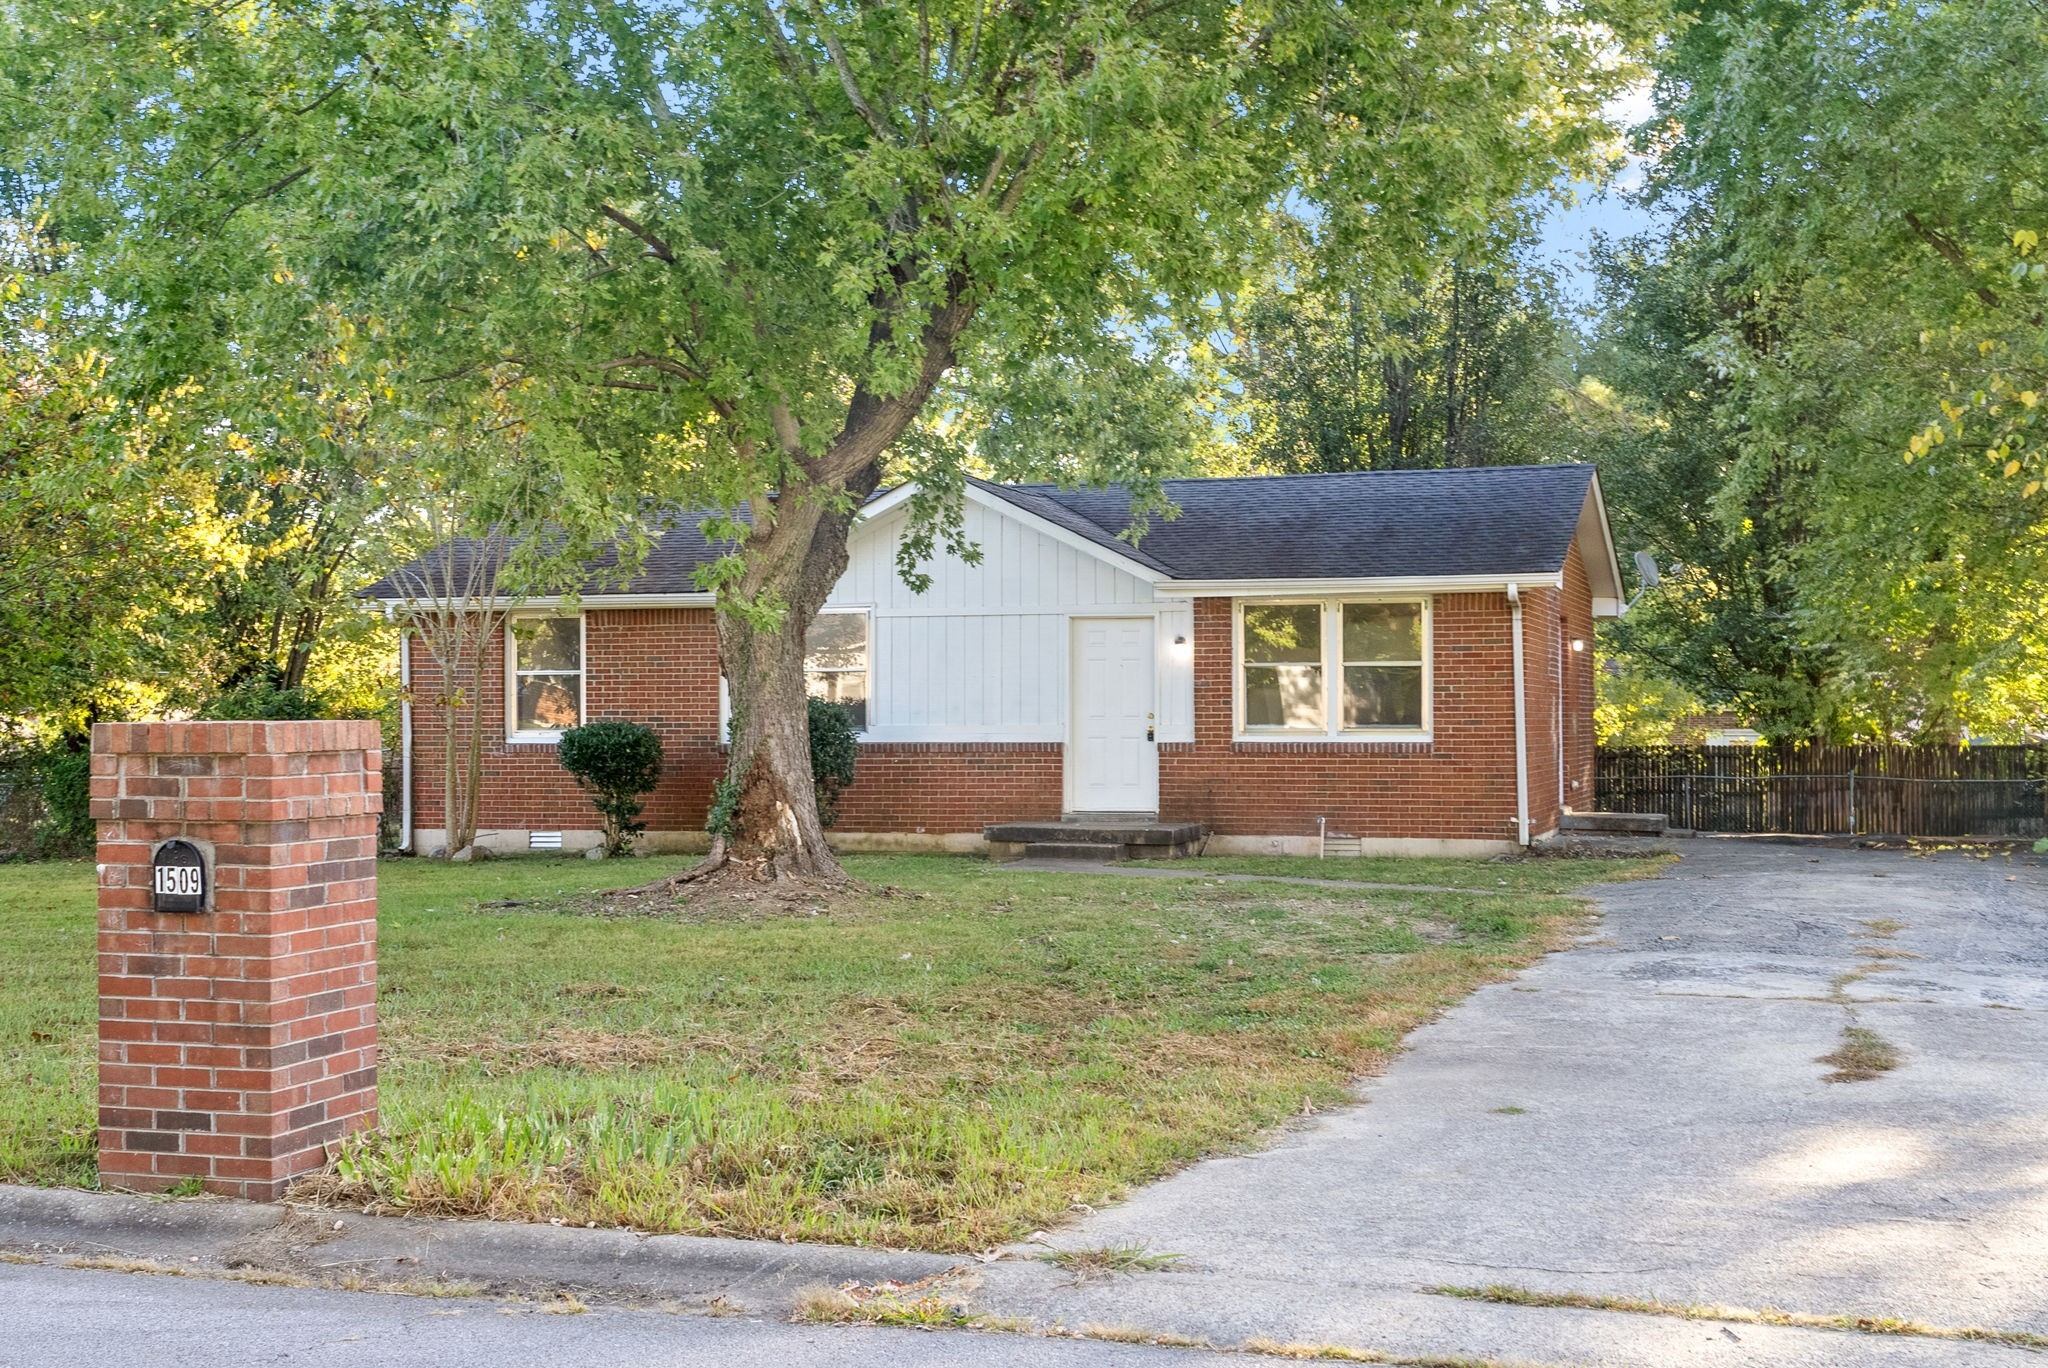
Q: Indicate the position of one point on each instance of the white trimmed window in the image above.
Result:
(836, 661)
(544, 677)
(1338, 668)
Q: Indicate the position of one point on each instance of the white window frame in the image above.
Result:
(544, 736)
(867, 616)
(1332, 610)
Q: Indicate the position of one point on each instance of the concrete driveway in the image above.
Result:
(1643, 1116)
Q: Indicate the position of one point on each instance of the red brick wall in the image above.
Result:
(943, 787)
(238, 1042)
(653, 665)
(659, 666)
(1578, 684)
(1543, 672)
(1459, 785)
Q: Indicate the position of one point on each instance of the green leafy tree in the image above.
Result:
(1657, 411)
(1460, 369)
(1867, 172)
(617, 764)
(733, 251)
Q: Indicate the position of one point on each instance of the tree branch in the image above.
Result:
(1947, 249)
(851, 86)
(665, 364)
(793, 66)
(655, 245)
(276, 187)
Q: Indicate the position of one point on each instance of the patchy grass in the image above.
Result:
(1135, 1334)
(1103, 1260)
(1514, 874)
(1862, 1056)
(1645, 1306)
(925, 1305)
(950, 1065)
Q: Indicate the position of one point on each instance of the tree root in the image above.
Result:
(704, 868)
(722, 872)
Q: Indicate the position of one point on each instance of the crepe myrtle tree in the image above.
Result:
(741, 245)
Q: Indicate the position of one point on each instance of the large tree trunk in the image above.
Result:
(795, 556)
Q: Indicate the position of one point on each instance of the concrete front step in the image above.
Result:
(1615, 823)
(1092, 852)
(1095, 839)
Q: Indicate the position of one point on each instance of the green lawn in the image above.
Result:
(946, 1064)
(1532, 874)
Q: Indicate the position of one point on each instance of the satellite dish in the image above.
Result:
(1646, 570)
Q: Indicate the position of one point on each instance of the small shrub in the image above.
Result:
(261, 699)
(616, 763)
(835, 746)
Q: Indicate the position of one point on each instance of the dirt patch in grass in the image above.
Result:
(1862, 1056)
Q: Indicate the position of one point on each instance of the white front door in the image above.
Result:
(1112, 765)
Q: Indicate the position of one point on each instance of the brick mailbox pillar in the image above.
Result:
(237, 1041)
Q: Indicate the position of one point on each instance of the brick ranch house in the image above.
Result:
(1401, 656)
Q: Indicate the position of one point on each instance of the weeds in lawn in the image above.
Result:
(1862, 1056)
(1103, 1260)
(949, 1065)
(925, 1304)
(1645, 1306)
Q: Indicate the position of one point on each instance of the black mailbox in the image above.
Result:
(178, 880)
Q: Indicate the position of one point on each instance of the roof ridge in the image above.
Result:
(1035, 485)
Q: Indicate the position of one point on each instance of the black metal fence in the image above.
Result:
(1822, 790)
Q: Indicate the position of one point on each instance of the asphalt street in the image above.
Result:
(53, 1317)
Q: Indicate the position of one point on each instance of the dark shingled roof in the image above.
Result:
(668, 569)
(1371, 524)
(1368, 524)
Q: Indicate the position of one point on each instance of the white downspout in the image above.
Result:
(1521, 722)
(404, 735)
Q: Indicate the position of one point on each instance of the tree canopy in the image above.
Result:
(703, 255)
(1824, 367)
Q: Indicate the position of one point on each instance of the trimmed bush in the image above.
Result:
(616, 763)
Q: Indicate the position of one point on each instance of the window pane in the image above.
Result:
(1382, 631)
(550, 644)
(1382, 695)
(837, 641)
(1283, 633)
(547, 702)
(848, 688)
(1283, 696)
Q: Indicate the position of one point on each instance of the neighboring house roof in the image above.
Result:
(1368, 524)
(1471, 522)
(670, 567)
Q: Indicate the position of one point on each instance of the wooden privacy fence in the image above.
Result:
(1818, 790)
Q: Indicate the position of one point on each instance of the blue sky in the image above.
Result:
(1566, 230)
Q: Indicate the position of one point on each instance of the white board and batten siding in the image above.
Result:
(984, 653)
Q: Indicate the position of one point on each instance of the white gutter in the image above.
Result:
(1521, 723)
(404, 734)
(1389, 584)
